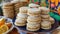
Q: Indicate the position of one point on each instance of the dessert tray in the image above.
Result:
(23, 29)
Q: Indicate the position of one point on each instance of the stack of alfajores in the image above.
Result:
(8, 10)
(21, 18)
(34, 18)
(18, 4)
(47, 21)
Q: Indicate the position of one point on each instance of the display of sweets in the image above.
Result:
(8, 10)
(34, 18)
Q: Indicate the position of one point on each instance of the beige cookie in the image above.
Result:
(32, 5)
(34, 12)
(20, 22)
(23, 10)
(44, 19)
(22, 16)
(38, 22)
(34, 18)
(45, 16)
(46, 25)
(44, 10)
(33, 27)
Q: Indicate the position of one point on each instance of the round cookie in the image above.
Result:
(32, 5)
(34, 12)
(46, 25)
(44, 10)
(45, 16)
(20, 22)
(34, 18)
(23, 10)
(22, 16)
(38, 22)
(33, 27)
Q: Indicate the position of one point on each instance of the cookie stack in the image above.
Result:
(21, 18)
(47, 21)
(44, 13)
(18, 4)
(8, 10)
(34, 19)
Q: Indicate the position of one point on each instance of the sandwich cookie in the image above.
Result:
(34, 12)
(33, 27)
(20, 22)
(22, 16)
(23, 10)
(34, 19)
(44, 10)
(32, 5)
(46, 25)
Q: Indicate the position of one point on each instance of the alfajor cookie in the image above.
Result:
(46, 25)
(20, 22)
(33, 27)
(32, 5)
(44, 10)
(23, 10)
(45, 16)
(22, 16)
(34, 18)
(33, 12)
(8, 10)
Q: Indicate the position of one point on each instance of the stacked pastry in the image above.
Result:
(8, 10)
(46, 19)
(18, 4)
(44, 13)
(34, 19)
(21, 18)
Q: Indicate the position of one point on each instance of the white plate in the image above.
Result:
(10, 21)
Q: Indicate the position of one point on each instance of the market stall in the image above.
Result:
(30, 17)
